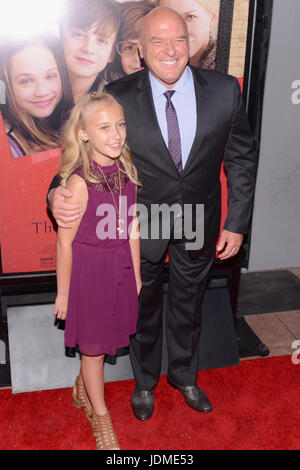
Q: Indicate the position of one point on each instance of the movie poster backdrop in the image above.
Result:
(42, 76)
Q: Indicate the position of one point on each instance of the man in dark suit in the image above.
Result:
(177, 142)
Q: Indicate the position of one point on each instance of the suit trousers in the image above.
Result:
(187, 282)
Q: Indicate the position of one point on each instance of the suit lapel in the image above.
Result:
(202, 104)
(147, 111)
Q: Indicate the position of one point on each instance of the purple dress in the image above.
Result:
(103, 302)
(15, 147)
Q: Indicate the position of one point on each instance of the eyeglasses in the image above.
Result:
(126, 48)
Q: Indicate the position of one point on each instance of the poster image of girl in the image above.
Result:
(37, 94)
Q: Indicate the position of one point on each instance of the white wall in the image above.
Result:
(275, 239)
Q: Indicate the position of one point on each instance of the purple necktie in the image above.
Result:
(174, 143)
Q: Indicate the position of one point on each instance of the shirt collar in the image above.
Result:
(182, 86)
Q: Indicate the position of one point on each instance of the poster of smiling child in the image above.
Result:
(43, 75)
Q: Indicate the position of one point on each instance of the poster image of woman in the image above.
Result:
(47, 63)
(128, 60)
(37, 93)
(202, 18)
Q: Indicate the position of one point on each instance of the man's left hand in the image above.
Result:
(229, 244)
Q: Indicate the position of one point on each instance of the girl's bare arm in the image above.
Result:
(65, 239)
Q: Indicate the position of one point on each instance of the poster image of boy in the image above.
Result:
(37, 93)
(202, 18)
(88, 29)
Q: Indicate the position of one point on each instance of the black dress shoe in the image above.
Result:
(142, 403)
(194, 396)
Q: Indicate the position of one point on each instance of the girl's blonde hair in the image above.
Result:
(76, 153)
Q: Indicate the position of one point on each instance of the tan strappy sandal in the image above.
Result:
(103, 432)
(80, 398)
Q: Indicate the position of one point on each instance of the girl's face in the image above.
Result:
(105, 131)
(199, 21)
(130, 58)
(36, 81)
(86, 52)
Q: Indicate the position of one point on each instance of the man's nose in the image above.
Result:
(170, 48)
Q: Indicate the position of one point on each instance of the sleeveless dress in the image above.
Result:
(15, 146)
(103, 302)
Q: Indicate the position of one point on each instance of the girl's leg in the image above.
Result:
(92, 374)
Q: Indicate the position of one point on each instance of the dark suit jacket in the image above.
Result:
(222, 132)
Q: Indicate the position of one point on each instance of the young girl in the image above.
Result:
(98, 260)
(88, 30)
(38, 95)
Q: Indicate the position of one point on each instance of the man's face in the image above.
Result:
(165, 46)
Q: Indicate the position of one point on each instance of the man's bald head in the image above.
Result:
(165, 45)
(161, 13)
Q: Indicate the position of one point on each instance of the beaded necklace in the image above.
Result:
(118, 209)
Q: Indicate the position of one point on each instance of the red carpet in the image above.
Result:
(256, 406)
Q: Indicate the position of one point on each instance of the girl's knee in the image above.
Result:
(94, 359)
